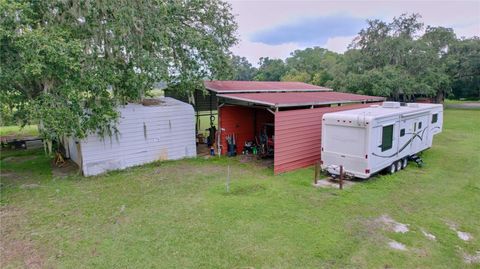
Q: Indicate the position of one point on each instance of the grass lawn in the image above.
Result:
(17, 131)
(177, 214)
(453, 101)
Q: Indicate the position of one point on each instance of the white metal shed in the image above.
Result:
(147, 133)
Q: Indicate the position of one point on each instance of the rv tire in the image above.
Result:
(404, 162)
(392, 168)
(399, 165)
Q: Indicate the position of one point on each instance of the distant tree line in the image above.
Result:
(401, 60)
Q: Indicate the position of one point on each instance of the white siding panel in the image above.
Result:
(170, 135)
(73, 152)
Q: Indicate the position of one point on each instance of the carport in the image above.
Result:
(294, 117)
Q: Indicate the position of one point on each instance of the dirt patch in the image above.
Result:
(10, 175)
(263, 163)
(20, 250)
(472, 259)
(429, 235)
(10, 179)
(29, 186)
(330, 183)
(69, 168)
(14, 249)
(187, 170)
(19, 159)
(462, 235)
(397, 245)
(246, 190)
(372, 230)
(390, 224)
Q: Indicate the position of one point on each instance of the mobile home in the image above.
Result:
(368, 140)
(160, 129)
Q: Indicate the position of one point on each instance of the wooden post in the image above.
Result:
(341, 177)
(317, 172)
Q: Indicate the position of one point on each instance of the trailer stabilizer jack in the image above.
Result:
(417, 160)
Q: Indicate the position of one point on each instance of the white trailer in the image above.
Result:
(368, 140)
(164, 130)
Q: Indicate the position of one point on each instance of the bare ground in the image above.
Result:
(15, 249)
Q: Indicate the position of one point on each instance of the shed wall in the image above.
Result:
(244, 122)
(146, 134)
(73, 151)
(298, 136)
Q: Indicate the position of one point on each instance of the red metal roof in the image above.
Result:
(231, 86)
(293, 99)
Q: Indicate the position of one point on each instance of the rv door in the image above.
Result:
(420, 134)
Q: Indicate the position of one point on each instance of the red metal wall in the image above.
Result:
(240, 121)
(298, 136)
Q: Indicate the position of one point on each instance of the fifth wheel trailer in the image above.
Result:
(368, 140)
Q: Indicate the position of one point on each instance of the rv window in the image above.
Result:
(402, 132)
(387, 137)
(419, 125)
(434, 118)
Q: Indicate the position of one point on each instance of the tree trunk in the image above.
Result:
(439, 97)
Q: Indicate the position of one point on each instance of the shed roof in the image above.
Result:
(294, 99)
(230, 86)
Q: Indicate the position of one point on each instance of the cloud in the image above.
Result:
(261, 22)
(468, 30)
(308, 31)
(339, 44)
(254, 50)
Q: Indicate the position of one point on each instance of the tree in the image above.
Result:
(241, 68)
(464, 68)
(396, 58)
(438, 41)
(70, 63)
(295, 75)
(312, 65)
(270, 69)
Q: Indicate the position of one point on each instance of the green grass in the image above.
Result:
(18, 131)
(455, 101)
(177, 214)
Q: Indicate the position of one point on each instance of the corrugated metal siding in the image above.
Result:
(291, 99)
(241, 121)
(236, 120)
(298, 136)
(73, 151)
(147, 133)
(260, 86)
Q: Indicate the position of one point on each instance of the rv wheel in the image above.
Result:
(392, 169)
(404, 162)
(399, 165)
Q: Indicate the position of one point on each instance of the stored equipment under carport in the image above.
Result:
(368, 140)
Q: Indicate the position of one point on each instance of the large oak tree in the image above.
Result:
(69, 64)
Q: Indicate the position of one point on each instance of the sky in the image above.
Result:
(276, 28)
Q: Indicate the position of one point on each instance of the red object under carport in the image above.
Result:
(297, 117)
